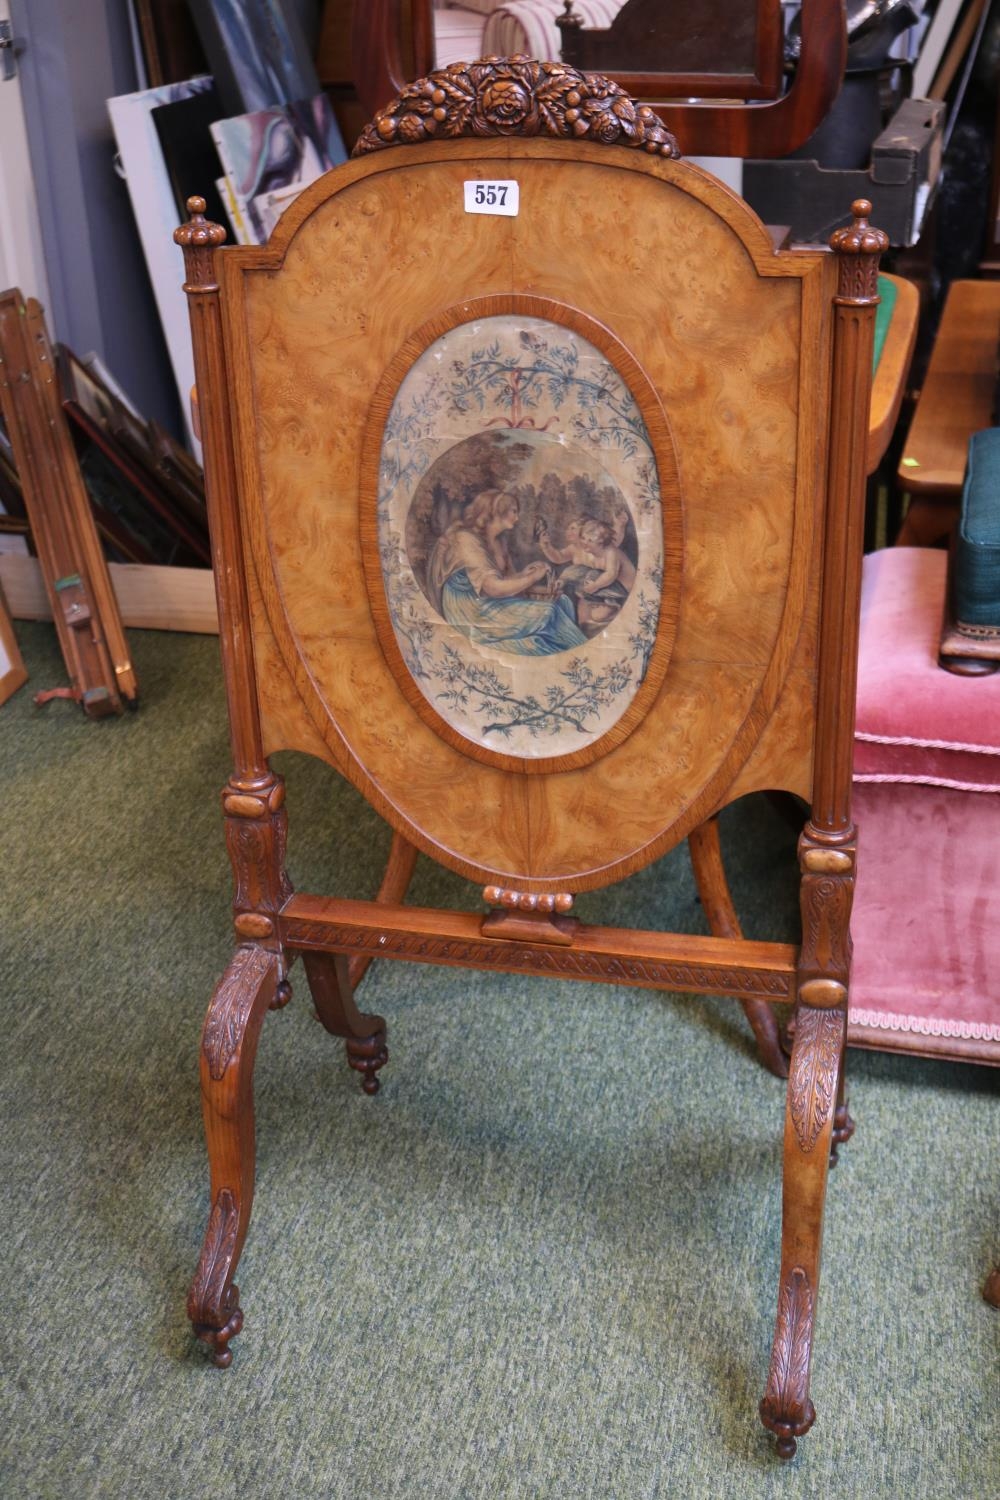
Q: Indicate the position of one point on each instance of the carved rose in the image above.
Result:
(505, 103)
(610, 118)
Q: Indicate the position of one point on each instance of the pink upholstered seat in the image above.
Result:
(926, 918)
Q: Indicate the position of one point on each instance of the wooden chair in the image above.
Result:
(414, 416)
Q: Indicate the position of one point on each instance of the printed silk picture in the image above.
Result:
(520, 535)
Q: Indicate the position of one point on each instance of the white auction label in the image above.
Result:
(491, 198)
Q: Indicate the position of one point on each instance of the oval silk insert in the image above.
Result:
(520, 536)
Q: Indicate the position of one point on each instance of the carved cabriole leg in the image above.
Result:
(256, 832)
(814, 1089)
(717, 901)
(228, 1049)
(333, 996)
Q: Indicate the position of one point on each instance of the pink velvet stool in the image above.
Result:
(926, 920)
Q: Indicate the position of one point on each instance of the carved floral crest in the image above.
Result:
(516, 96)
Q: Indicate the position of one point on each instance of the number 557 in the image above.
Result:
(491, 194)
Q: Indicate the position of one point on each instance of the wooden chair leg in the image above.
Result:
(716, 898)
(813, 1083)
(333, 997)
(228, 1050)
(991, 1291)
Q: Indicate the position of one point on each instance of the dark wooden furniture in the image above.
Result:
(353, 44)
(957, 399)
(730, 52)
(734, 52)
(84, 608)
(655, 52)
(387, 391)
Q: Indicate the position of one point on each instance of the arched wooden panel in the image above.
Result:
(316, 320)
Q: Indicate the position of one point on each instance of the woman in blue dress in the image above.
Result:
(475, 587)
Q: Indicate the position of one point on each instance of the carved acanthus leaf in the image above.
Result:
(231, 1005)
(812, 1083)
(786, 1397)
(209, 1302)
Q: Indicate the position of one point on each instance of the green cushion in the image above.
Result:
(888, 291)
(977, 546)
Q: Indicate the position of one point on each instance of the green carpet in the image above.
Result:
(541, 1263)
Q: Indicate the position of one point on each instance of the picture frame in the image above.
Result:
(156, 499)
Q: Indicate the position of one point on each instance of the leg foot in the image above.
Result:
(333, 996)
(366, 1057)
(812, 1090)
(843, 1128)
(217, 1339)
(229, 1048)
(991, 1291)
(282, 995)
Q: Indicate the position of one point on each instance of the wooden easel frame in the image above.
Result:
(13, 673)
(77, 581)
(530, 930)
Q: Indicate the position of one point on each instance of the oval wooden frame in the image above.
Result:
(502, 304)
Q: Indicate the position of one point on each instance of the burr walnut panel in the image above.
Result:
(354, 270)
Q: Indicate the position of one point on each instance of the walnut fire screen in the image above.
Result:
(535, 479)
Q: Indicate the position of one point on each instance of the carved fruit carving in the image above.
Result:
(516, 96)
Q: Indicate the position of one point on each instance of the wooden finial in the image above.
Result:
(199, 238)
(569, 20)
(859, 247)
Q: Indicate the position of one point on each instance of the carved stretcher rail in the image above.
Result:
(651, 960)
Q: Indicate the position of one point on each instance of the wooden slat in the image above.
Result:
(609, 955)
(149, 597)
(892, 372)
(958, 392)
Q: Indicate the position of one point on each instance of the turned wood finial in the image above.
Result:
(569, 20)
(859, 247)
(199, 238)
(516, 96)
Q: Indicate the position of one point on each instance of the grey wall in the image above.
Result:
(78, 54)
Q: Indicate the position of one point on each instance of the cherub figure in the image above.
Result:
(612, 581)
(597, 574)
